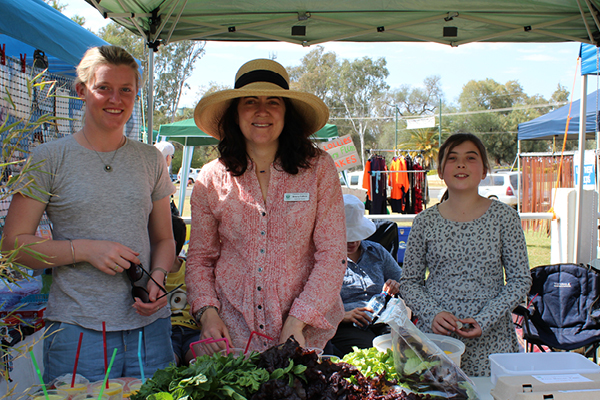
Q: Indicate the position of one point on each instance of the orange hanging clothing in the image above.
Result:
(398, 180)
(367, 179)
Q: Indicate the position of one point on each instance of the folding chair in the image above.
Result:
(563, 309)
(386, 235)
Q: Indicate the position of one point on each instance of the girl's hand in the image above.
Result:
(358, 316)
(293, 327)
(213, 327)
(444, 323)
(470, 329)
(108, 257)
(392, 287)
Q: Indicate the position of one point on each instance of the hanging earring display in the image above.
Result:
(107, 166)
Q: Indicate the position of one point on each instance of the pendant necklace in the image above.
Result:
(107, 167)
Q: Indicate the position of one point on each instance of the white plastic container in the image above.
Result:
(552, 363)
(453, 348)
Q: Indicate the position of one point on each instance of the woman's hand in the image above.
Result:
(213, 327)
(293, 327)
(444, 323)
(154, 294)
(108, 257)
(358, 316)
(392, 287)
(470, 329)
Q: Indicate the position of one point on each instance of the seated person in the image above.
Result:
(184, 329)
(371, 269)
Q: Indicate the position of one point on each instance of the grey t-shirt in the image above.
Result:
(90, 203)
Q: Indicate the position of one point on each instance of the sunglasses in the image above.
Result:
(135, 273)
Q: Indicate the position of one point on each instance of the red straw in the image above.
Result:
(250, 339)
(76, 359)
(209, 341)
(105, 354)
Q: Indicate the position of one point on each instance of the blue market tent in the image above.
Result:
(555, 122)
(26, 25)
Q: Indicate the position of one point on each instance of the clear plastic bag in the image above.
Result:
(420, 364)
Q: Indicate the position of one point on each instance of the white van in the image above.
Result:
(355, 179)
(192, 176)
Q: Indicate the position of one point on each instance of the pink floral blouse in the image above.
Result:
(259, 262)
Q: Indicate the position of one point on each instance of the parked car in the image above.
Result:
(499, 186)
(192, 176)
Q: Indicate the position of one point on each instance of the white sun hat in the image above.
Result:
(358, 227)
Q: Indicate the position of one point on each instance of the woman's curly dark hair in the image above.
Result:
(295, 149)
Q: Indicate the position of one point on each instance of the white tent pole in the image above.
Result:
(150, 129)
(519, 183)
(579, 188)
(186, 161)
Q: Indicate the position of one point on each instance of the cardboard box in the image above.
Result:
(568, 386)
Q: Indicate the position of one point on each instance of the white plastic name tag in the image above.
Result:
(296, 197)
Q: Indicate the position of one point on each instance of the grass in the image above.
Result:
(538, 248)
(538, 243)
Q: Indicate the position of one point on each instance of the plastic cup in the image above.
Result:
(85, 396)
(114, 390)
(132, 387)
(77, 388)
(235, 351)
(53, 394)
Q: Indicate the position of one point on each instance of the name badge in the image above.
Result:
(296, 197)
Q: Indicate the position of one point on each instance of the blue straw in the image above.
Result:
(140, 358)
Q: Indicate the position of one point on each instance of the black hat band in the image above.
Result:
(261, 75)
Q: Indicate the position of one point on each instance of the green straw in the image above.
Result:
(39, 373)
(112, 359)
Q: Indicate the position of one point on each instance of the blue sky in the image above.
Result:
(538, 67)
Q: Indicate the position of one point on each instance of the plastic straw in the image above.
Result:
(76, 359)
(140, 358)
(39, 373)
(250, 339)
(106, 376)
(105, 354)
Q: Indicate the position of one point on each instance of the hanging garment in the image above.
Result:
(378, 185)
(398, 182)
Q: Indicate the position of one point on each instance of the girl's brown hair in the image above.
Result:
(456, 140)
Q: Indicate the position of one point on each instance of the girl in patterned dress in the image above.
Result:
(475, 252)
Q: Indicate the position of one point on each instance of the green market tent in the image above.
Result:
(189, 135)
(310, 22)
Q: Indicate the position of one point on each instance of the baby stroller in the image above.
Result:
(563, 309)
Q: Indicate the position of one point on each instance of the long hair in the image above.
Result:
(295, 149)
(456, 140)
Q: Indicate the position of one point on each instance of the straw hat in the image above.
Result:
(260, 77)
(358, 227)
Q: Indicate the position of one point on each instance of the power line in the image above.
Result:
(524, 107)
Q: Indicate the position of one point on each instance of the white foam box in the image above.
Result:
(548, 387)
(551, 363)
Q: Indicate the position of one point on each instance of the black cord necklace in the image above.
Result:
(107, 167)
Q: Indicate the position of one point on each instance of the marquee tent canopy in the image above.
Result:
(33, 24)
(310, 22)
(555, 122)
